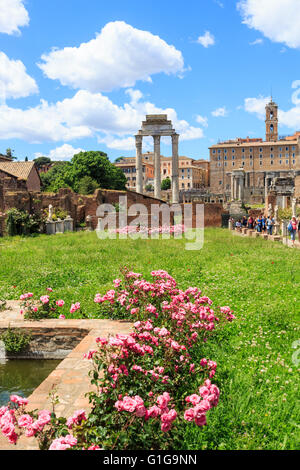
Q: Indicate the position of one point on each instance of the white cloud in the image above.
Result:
(256, 42)
(257, 106)
(220, 112)
(12, 16)
(42, 123)
(128, 143)
(206, 40)
(203, 121)
(118, 57)
(14, 81)
(289, 118)
(278, 20)
(86, 115)
(65, 152)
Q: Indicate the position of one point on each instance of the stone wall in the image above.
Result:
(49, 343)
(13, 193)
(212, 214)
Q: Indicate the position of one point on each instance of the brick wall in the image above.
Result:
(13, 193)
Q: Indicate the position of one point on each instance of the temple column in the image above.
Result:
(175, 170)
(157, 169)
(139, 163)
(232, 187)
(241, 188)
(236, 182)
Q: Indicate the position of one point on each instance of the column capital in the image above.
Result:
(174, 137)
(156, 139)
(138, 139)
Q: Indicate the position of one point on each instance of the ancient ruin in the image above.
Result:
(157, 126)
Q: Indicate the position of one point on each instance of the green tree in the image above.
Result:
(87, 185)
(40, 161)
(59, 176)
(10, 153)
(97, 165)
(166, 184)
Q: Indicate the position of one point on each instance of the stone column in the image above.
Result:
(175, 170)
(294, 207)
(232, 187)
(241, 188)
(139, 163)
(236, 183)
(157, 170)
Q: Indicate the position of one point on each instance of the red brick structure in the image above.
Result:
(26, 171)
(14, 194)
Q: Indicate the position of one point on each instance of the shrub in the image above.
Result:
(15, 341)
(150, 384)
(20, 222)
(48, 306)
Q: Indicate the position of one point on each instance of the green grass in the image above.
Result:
(260, 280)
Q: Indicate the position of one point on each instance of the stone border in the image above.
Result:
(275, 238)
(70, 378)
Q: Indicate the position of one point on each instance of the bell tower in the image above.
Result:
(271, 121)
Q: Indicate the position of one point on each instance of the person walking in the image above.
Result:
(299, 228)
(270, 223)
(259, 223)
(250, 222)
(293, 228)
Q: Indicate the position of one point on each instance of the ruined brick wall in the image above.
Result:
(212, 214)
(33, 181)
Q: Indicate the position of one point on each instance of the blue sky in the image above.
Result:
(81, 74)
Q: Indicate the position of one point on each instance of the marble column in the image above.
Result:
(232, 187)
(236, 187)
(241, 188)
(157, 169)
(139, 163)
(175, 170)
(294, 207)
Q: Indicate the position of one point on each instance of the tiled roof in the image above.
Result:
(18, 169)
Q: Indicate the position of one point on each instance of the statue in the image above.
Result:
(269, 210)
(276, 214)
(50, 214)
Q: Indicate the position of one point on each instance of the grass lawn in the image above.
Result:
(260, 280)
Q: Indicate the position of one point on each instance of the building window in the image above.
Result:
(220, 182)
(294, 161)
(225, 151)
(233, 157)
(260, 150)
(251, 163)
(251, 156)
(233, 150)
(280, 162)
(271, 155)
(213, 151)
(243, 150)
(286, 162)
(286, 149)
(260, 156)
(272, 162)
(260, 163)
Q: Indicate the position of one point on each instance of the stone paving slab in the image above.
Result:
(70, 378)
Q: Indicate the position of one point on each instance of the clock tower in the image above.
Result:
(272, 122)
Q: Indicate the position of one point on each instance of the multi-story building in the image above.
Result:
(193, 174)
(255, 162)
(128, 166)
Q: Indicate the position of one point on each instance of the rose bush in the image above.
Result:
(149, 384)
